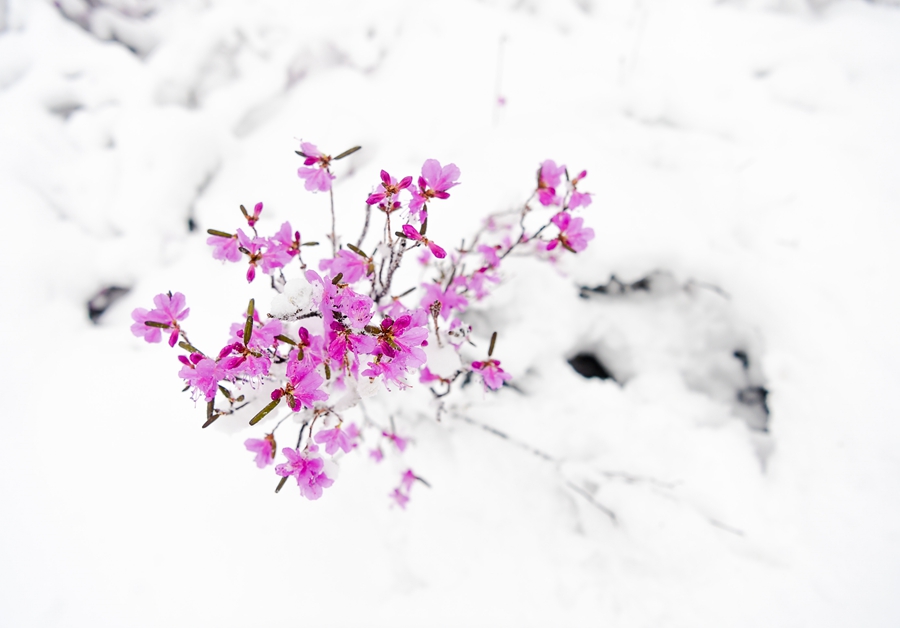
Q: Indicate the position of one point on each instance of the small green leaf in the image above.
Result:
(269, 407)
(493, 342)
(356, 250)
(281, 483)
(155, 324)
(327, 370)
(337, 279)
(284, 338)
(349, 151)
(189, 347)
(251, 307)
(248, 330)
(221, 234)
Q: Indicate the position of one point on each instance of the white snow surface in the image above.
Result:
(743, 155)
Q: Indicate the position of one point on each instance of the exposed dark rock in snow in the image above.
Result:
(588, 365)
(101, 301)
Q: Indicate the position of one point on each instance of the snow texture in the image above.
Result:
(736, 467)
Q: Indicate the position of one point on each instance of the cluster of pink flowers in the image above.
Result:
(268, 254)
(333, 335)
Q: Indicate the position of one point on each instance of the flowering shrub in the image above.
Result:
(336, 336)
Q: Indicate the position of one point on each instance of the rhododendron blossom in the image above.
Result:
(491, 373)
(263, 448)
(170, 309)
(549, 178)
(317, 179)
(434, 183)
(571, 233)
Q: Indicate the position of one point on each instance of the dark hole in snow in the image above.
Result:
(616, 286)
(101, 301)
(64, 109)
(755, 397)
(192, 226)
(742, 356)
(587, 365)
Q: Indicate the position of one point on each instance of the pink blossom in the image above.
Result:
(397, 440)
(202, 374)
(170, 309)
(308, 469)
(549, 178)
(400, 498)
(449, 298)
(346, 347)
(303, 387)
(264, 449)
(401, 338)
(491, 259)
(317, 179)
(477, 281)
(407, 480)
(571, 234)
(390, 187)
(352, 265)
(253, 218)
(358, 308)
(434, 183)
(149, 334)
(337, 438)
(413, 234)
(426, 376)
(377, 454)
(579, 199)
(225, 249)
(491, 373)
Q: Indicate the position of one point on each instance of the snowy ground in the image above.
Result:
(743, 156)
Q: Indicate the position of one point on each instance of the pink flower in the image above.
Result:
(170, 309)
(549, 178)
(434, 183)
(202, 374)
(412, 234)
(397, 440)
(407, 480)
(141, 316)
(317, 179)
(400, 498)
(253, 218)
(337, 438)
(308, 469)
(303, 387)
(579, 199)
(390, 187)
(491, 373)
(353, 266)
(491, 259)
(225, 249)
(477, 281)
(571, 234)
(376, 454)
(449, 298)
(264, 449)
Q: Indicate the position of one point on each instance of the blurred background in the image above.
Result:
(717, 369)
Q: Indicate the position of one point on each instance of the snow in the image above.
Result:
(743, 159)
